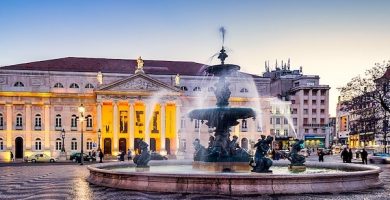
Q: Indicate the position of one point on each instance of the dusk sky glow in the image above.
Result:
(333, 39)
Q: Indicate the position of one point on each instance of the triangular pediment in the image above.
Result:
(137, 83)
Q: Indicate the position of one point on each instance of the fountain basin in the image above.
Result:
(349, 177)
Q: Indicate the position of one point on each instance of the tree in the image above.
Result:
(374, 88)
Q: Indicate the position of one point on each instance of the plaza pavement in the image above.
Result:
(68, 181)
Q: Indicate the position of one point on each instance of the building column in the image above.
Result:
(47, 127)
(116, 123)
(178, 135)
(163, 150)
(28, 126)
(131, 125)
(147, 128)
(9, 108)
(99, 121)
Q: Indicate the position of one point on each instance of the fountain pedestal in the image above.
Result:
(221, 166)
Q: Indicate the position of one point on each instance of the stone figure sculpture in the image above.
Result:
(200, 151)
(142, 159)
(261, 163)
(294, 157)
(140, 65)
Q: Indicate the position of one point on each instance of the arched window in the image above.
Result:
(244, 90)
(18, 84)
(1, 144)
(58, 85)
(89, 144)
(196, 89)
(73, 122)
(38, 121)
(1, 121)
(19, 121)
(89, 85)
(58, 144)
(183, 88)
(74, 85)
(73, 145)
(210, 89)
(89, 121)
(58, 121)
(38, 144)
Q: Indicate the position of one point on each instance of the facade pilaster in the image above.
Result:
(178, 123)
(99, 119)
(147, 128)
(28, 126)
(47, 126)
(9, 108)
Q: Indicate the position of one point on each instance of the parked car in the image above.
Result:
(157, 156)
(379, 158)
(75, 157)
(40, 157)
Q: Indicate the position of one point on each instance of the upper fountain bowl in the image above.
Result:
(222, 69)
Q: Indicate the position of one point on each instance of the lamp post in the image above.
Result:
(99, 135)
(63, 140)
(81, 111)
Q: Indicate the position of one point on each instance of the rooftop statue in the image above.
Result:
(140, 65)
(177, 80)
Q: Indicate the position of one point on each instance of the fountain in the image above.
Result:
(222, 154)
(222, 168)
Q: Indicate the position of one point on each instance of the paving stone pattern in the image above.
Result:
(69, 182)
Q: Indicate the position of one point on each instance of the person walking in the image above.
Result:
(350, 156)
(12, 156)
(321, 156)
(344, 155)
(129, 155)
(364, 156)
(122, 156)
(101, 155)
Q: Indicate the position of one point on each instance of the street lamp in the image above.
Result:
(63, 140)
(99, 135)
(81, 111)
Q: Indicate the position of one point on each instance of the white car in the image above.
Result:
(40, 157)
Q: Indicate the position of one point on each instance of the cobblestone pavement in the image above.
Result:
(68, 181)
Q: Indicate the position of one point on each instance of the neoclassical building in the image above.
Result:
(124, 100)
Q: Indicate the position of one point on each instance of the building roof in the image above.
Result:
(126, 66)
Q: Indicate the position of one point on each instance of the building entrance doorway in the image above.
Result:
(107, 145)
(122, 145)
(152, 144)
(19, 147)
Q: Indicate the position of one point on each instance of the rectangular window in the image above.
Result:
(314, 120)
(270, 120)
(58, 122)
(73, 145)
(306, 92)
(1, 145)
(58, 145)
(323, 92)
(196, 124)
(89, 145)
(305, 121)
(305, 111)
(38, 145)
(295, 121)
(313, 111)
(322, 121)
(277, 132)
(315, 130)
(295, 111)
(306, 130)
(322, 111)
(277, 120)
(314, 102)
(285, 121)
(305, 102)
(292, 101)
(322, 102)
(183, 123)
(285, 132)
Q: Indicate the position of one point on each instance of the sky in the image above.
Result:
(335, 39)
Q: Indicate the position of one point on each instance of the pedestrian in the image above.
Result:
(12, 156)
(101, 155)
(344, 155)
(321, 156)
(357, 154)
(122, 156)
(94, 154)
(364, 156)
(350, 156)
(129, 155)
